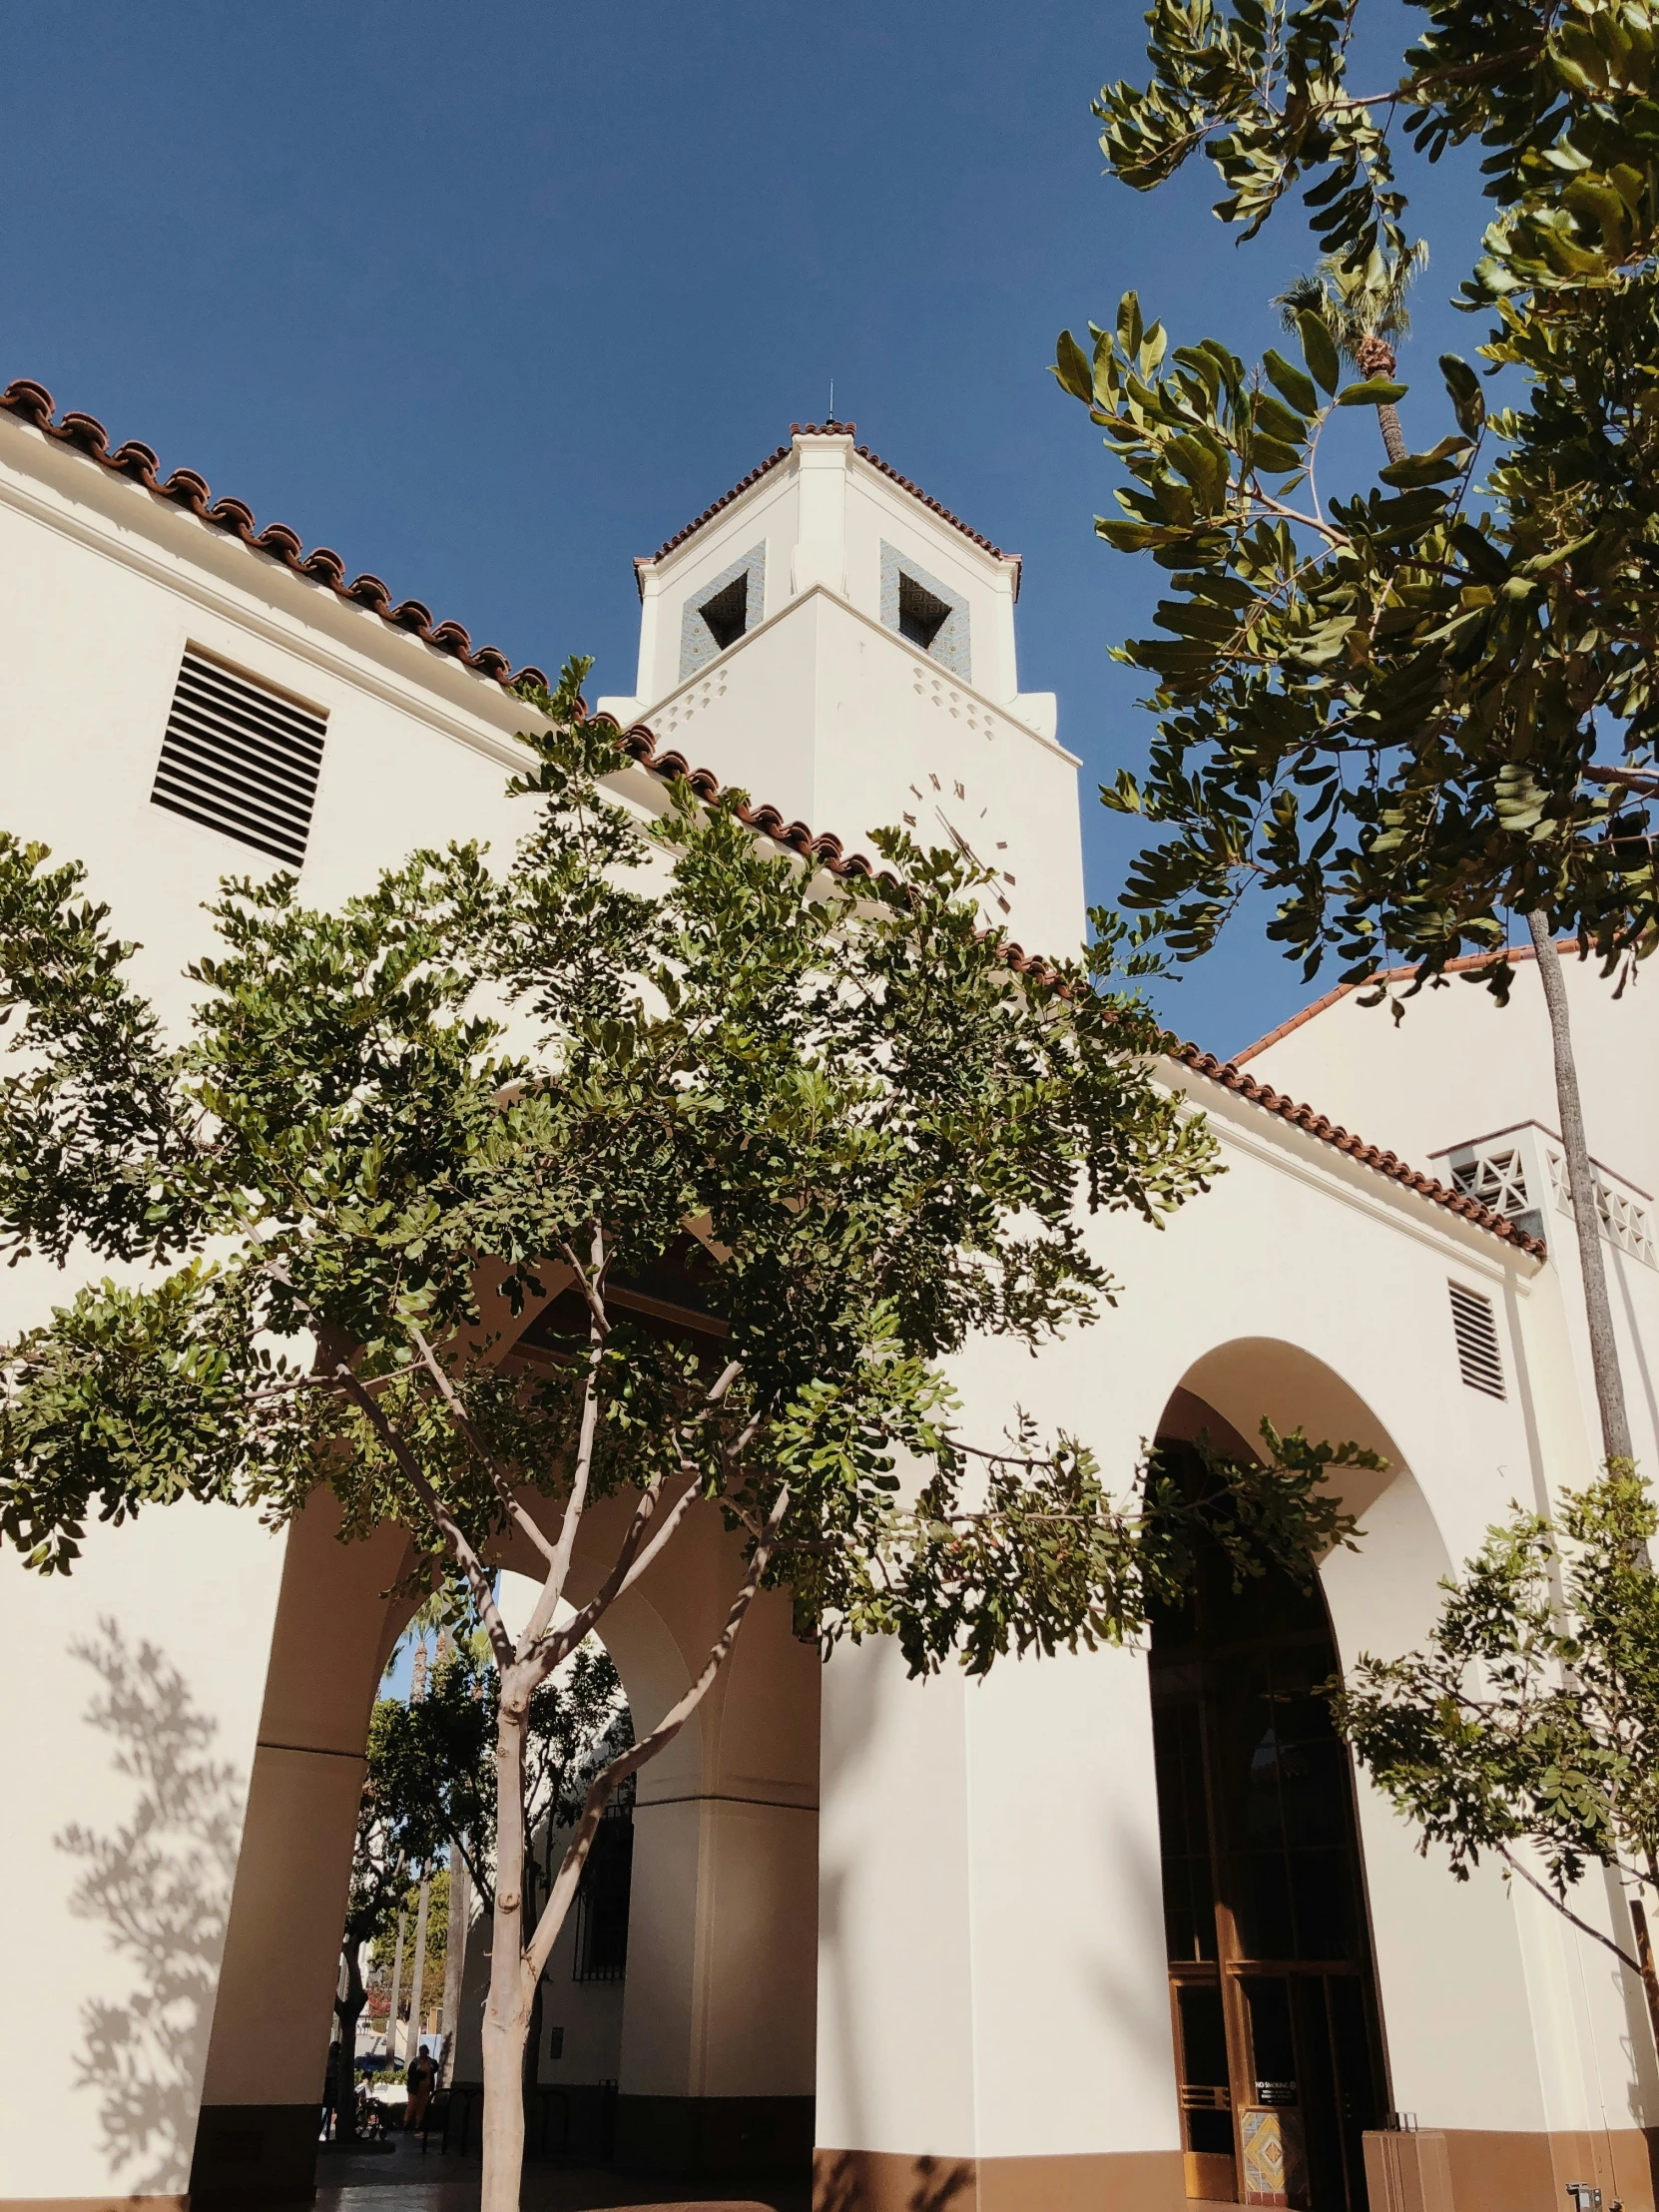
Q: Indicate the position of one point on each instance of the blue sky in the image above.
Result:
(491, 299)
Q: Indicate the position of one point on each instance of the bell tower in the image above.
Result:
(830, 637)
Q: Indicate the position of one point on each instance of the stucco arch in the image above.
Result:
(718, 2010)
(1451, 2041)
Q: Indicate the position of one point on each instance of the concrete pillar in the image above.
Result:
(993, 2007)
(718, 2038)
(256, 2143)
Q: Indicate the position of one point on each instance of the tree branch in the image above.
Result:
(600, 1793)
(590, 1292)
(464, 1422)
(559, 1560)
(471, 1565)
(1583, 1926)
(1632, 779)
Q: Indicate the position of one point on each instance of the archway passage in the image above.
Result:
(1274, 2011)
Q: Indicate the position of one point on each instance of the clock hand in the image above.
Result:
(957, 839)
(969, 854)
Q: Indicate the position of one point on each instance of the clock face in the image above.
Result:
(948, 805)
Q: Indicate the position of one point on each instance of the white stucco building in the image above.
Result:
(1076, 1937)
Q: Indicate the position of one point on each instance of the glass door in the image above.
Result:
(1276, 2030)
(1206, 2087)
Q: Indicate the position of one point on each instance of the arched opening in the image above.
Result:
(1277, 2029)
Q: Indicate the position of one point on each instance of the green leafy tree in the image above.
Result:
(832, 1102)
(396, 1829)
(1388, 704)
(436, 1754)
(393, 1952)
(1531, 1716)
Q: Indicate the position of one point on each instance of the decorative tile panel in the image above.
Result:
(950, 646)
(697, 641)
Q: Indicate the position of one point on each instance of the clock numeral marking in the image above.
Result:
(933, 780)
(910, 820)
(960, 792)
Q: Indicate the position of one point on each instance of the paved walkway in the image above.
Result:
(406, 2182)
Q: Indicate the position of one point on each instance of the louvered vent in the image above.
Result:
(1478, 1358)
(240, 758)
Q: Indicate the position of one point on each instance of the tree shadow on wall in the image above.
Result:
(161, 1886)
(843, 2183)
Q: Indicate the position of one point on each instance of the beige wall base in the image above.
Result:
(1492, 2172)
(893, 2181)
(1471, 2170)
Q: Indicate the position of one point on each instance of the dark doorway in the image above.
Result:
(1275, 2010)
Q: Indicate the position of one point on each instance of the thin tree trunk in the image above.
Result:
(1393, 437)
(396, 1989)
(417, 1972)
(506, 2014)
(349, 2010)
(1604, 1352)
(1644, 1951)
(454, 1958)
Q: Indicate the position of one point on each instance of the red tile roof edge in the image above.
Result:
(826, 430)
(33, 403)
(1231, 1078)
(639, 742)
(1388, 975)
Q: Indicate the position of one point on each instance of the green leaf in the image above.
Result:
(1072, 367)
(1318, 350)
(1273, 454)
(1447, 459)
(1297, 388)
(1375, 391)
(1278, 420)
(1467, 400)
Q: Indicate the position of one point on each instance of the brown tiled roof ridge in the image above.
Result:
(639, 742)
(782, 452)
(1460, 966)
(1232, 1077)
(33, 403)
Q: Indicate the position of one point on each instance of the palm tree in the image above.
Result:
(1365, 315)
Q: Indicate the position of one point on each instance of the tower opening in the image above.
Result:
(921, 616)
(1271, 1986)
(727, 614)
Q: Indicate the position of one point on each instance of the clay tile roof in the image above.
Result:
(782, 452)
(639, 742)
(31, 402)
(1231, 1077)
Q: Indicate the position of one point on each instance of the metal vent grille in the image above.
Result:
(1478, 1359)
(240, 758)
